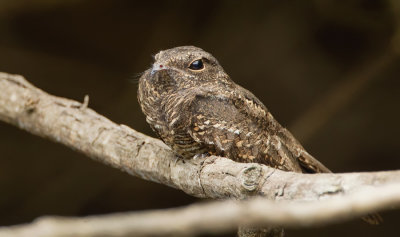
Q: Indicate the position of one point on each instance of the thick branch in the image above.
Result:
(80, 128)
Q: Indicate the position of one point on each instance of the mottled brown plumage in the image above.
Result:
(196, 109)
(201, 110)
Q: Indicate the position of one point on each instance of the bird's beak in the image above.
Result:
(157, 67)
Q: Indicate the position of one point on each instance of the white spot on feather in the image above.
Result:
(13, 97)
(157, 126)
(173, 121)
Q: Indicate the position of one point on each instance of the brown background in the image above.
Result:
(291, 54)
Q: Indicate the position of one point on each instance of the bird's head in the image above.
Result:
(182, 68)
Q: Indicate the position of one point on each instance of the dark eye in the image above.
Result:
(197, 65)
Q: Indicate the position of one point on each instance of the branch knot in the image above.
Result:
(250, 178)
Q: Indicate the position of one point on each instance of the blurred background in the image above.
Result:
(327, 70)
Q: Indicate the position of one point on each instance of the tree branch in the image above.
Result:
(214, 217)
(80, 128)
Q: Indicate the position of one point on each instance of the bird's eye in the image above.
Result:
(197, 65)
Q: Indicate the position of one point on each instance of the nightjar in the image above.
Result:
(195, 108)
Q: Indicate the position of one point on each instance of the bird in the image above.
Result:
(195, 108)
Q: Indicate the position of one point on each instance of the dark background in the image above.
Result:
(327, 70)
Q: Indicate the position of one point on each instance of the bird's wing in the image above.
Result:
(217, 123)
(235, 126)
